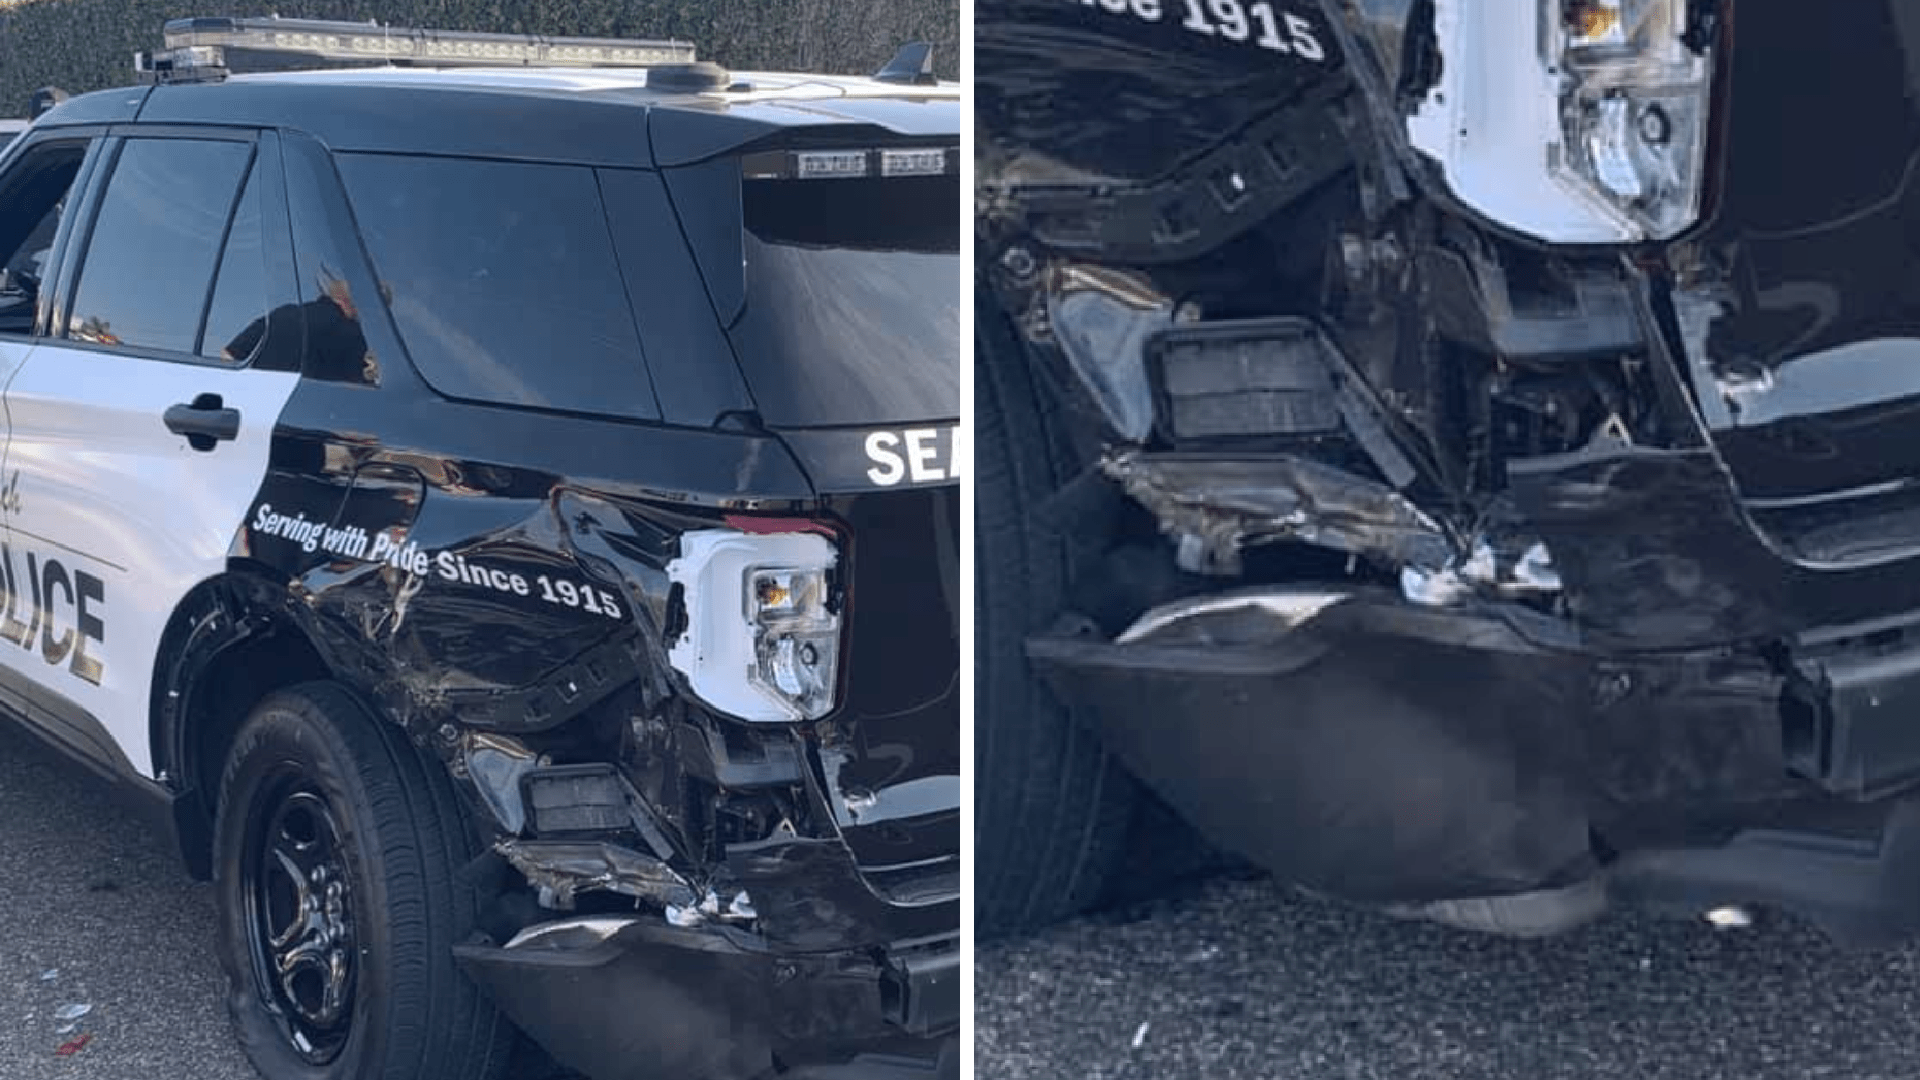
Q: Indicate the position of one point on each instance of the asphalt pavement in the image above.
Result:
(1230, 978)
(95, 911)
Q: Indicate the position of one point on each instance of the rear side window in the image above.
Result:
(852, 310)
(503, 281)
(156, 242)
(236, 318)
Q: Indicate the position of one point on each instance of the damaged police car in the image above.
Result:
(498, 497)
(1466, 460)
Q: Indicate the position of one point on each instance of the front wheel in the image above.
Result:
(1051, 809)
(335, 863)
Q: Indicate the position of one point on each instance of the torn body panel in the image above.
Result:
(561, 871)
(1214, 507)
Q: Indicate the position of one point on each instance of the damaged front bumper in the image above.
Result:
(781, 949)
(630, 997)
(635, 996)
(784, 951)
(1393, 754)
(1490, 765)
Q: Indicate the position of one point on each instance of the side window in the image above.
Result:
(503, 281)
(323, 335)
(33, 196)
(236, 319)
(853, 300)
(156, 242)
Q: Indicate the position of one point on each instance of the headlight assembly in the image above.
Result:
(796, 635)
(1574, 121)
(762, 636)
(1633, 114)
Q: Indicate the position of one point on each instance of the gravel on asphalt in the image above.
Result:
(89, 892)
(1231, 978)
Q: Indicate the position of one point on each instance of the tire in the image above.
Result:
(317, 784)
(1051, 809)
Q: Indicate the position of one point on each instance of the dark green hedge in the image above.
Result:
(83, 45)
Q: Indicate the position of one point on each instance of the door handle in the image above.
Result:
(204, 422)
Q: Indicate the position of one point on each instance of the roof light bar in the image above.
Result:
(851, 163)
(225, 44)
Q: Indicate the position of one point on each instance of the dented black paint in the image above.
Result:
(1800, 287)
(1066, 88)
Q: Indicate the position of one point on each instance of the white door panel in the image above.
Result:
(117, 518)
(12, 355)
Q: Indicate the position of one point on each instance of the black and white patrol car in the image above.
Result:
(498, 497)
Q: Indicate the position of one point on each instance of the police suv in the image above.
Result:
(473, 486)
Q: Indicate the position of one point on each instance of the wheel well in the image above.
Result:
(218, 695)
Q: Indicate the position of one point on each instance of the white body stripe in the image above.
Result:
(104, 488)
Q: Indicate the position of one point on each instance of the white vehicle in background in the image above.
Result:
(10, 130)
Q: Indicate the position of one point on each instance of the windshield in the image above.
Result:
(852, 313)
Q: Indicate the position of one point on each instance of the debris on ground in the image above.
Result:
(73, 1046)
(72, 1012)
(1140, 1034)
(1729, 918)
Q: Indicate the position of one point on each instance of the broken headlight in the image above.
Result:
(796, 636)
(1574, 121)
(762, 629)
(1633, 113)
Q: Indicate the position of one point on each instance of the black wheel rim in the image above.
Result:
(300, 928)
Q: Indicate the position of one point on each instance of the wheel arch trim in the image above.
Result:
(247, 607)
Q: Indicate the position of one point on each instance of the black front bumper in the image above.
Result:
(716, 1003)
(1394, 754)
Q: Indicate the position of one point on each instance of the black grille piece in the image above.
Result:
(1271, 382)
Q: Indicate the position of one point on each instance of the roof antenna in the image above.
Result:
(912, 65)
(43, 101)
